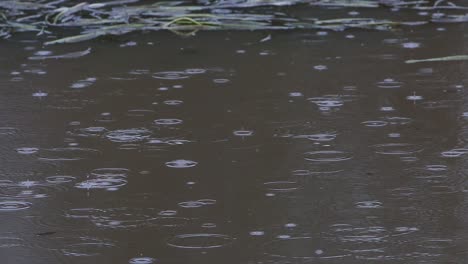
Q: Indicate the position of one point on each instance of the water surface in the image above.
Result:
(308, 147)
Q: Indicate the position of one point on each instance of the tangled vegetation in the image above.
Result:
(187, 17)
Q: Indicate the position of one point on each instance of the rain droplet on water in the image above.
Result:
(181, 163)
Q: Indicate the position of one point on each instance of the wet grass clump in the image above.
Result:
(119, 17)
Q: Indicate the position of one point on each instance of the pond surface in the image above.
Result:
(236, 147)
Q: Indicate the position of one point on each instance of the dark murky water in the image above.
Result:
(310, 147)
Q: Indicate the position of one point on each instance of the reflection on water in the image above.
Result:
(298, 147)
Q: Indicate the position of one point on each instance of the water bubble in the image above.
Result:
(411, 45)
(200, 241)
(320, 67)
(290, 225)
(83, 83)
(414, 97)
(256, 233)
(40, 94)
(295, 94)
(43, 53)
(181, 164)
(7, 206)
(350, 36)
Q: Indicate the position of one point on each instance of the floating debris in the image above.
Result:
(449, 58)
(71, 55)
(184, 18)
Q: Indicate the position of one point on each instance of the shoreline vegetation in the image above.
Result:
(93, 20)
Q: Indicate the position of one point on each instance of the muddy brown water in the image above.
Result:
(308, 147)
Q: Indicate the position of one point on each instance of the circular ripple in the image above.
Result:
(168, 121)
(142, 260)
(110, 172)
(60, 179)
(8, 206)
(173, 102)
(23, 192)
(8, 131)
(243, 133)
(27, 151)
(318, 137)
(200, 241)
(171, 75)
(300, 248)
(398, 120)
(327, 156)
(375, 123)
(105, 183)
(89, 132)
(454, 153)
(396, 148)
(140, 113)
(327, 102)
(389, 84)
(281, 186)
(198, 203)
(87, 249)
(195, 71)
(436, 167)
(9, 242)
(128, 135)
(179, 164)
(191, 204)
(67, 154)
